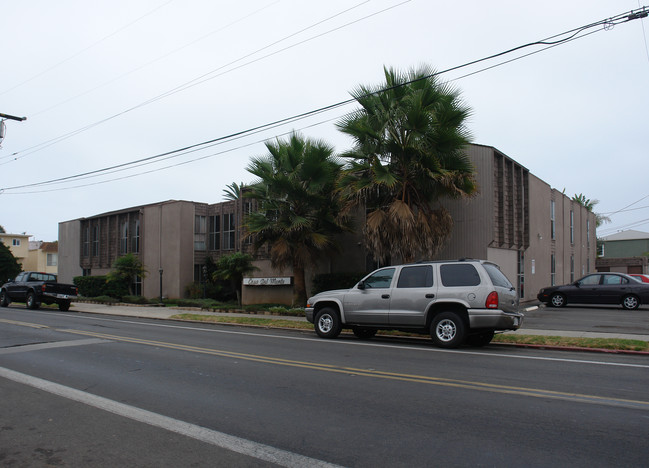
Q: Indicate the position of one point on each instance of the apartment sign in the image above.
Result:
(273, 281)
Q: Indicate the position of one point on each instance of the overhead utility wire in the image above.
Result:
(157, 59)
(94, 44)
(573, 35)
(195, 82)
(146, 161)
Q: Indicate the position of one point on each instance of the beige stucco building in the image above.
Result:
(535, 233)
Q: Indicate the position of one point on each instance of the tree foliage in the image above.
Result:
(409, 152)
(9, 266)
(298, 213)
(125, 269)
(233, 268)
(590, 206)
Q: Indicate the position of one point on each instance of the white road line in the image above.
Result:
(219, 439)
(377, 345)
(54, 344)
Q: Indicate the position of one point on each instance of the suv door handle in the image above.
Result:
(430, 296)
(385, 296)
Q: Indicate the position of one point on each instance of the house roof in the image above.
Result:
(629, 234)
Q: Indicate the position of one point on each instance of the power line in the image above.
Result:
(571, 35)
(94, 44)
(199, 80)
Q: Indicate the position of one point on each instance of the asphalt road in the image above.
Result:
(81, 390)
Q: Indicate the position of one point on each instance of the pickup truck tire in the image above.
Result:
(64, 306)
(480, 339)
(364, 333)
(327, 323)
(31, 301)
(447, 330)
(4, 299)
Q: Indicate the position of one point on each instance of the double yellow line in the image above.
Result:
(422, 379)
(437, 381)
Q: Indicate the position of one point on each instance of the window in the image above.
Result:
(416, 277)
(214, 233)
(228, 231)
(379, 279)
(572, 227)
(137, 285)
(15, 242)
(521, 274)
(52, 259)
(123, 241)
(553, 270)
(552, 226)
(590, 280)
(588, 232)
(572, 268)
(85, 250)
(136, 237)
(459, 275)
(95, 241)
(498, 278)
(200, 232)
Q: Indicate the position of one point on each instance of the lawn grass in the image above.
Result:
(537, 340)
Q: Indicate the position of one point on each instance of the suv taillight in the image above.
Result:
(492, 300)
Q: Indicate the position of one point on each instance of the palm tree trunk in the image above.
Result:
(299, 286)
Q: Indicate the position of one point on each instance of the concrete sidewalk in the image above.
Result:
(167, 312)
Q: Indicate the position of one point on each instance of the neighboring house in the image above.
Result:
(535, 233)
(42, 256)
(18, 244)
(624, 252)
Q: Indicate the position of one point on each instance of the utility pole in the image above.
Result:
(4, 117)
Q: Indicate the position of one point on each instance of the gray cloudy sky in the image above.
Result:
(105, 83)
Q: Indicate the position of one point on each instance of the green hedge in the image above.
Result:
(94, 286)
(328, 281)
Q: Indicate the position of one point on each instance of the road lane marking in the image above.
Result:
(471, 385)
(437, 381)
(53, 344)
(220, 439)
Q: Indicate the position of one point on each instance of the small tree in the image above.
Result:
(232, 267)
(9, 266)
(126, 269)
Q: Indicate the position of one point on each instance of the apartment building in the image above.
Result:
(535, 233)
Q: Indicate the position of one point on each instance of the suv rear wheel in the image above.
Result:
(327, 323)
(447, 330)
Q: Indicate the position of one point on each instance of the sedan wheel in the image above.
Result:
(630, 302)
(558, 300)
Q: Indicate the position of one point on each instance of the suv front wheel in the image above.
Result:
(447, 330)
(327, 323)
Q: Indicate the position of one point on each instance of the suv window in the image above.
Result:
(380, 279)
(459, 275)
(416, 277)
(498, 278)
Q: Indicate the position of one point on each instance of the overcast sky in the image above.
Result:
(106, 83)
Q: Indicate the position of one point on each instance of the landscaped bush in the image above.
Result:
(94, 286)
(329, 281)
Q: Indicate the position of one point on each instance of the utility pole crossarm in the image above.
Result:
(12, 117)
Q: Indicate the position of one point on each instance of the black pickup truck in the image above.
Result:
(34, 288)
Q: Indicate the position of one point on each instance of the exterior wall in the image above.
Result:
(69, 251)
(37, 259)
(20, 251)
(168, 244)
(625, 248)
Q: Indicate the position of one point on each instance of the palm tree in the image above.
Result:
(233, 191)
(234, 267)
(409, 140)
(298, 212)
(590, 206)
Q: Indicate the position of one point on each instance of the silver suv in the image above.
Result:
(458, 301)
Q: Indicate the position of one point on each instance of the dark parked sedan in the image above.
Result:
(598, 288)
